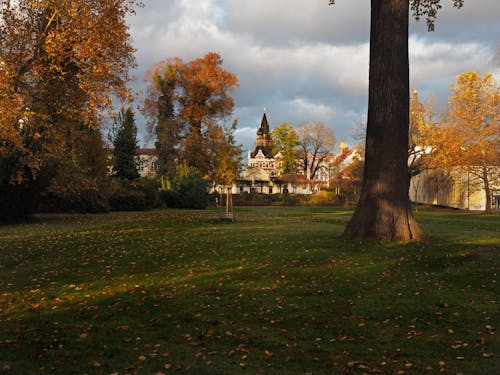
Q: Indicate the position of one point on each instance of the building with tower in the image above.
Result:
(262, 156)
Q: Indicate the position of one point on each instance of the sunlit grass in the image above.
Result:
(275, 292)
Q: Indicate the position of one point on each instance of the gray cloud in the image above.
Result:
(309, 62)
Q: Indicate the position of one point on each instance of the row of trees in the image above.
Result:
(463, 138)
(61, 63)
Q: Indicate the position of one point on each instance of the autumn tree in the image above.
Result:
(184, 103)
(421, 121)
(383, 212)
(468, 140)
(227, 166)
(163, 123)
(286, 141)
(61, 62)
(124, 139)
(316, 141)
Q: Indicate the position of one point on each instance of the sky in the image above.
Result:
(303, 60)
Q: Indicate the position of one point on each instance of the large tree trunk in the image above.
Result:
(383, 212)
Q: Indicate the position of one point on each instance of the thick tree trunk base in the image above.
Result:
(383, 212)
(384, 222)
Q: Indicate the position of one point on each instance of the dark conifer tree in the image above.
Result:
(124, 138)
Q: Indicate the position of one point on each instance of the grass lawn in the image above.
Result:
(276, 292)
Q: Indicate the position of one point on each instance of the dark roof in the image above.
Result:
(292, 178)
(146, 151)
(264, 126)
(265, 150)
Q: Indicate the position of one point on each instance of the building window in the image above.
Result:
(140, 165)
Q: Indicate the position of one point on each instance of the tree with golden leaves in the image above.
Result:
(227, 163)
(468, 140)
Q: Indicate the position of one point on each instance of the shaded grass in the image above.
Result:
(275, 292)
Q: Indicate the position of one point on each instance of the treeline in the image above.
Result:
(61, 63)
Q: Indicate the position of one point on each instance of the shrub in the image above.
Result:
(322, 198)
(84, 200)
(149, 188)
(186, 189)
(136, 195)
(128, 200)
(16, 202)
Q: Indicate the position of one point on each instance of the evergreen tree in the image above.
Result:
(124, 138)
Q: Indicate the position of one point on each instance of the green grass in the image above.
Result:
(276, 292)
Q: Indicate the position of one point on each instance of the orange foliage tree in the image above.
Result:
(61, 61)
(184, 105)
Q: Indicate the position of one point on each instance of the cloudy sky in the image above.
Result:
(307, 61)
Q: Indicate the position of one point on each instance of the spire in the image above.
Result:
(263, 141)
(264, 125)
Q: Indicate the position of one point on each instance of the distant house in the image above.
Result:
(147, 162)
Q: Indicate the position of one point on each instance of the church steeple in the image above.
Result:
(264, 125)
(263, 141)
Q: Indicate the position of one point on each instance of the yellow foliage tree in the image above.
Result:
(469, 139)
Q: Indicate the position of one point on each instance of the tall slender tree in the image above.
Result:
(383, 212)
(227, 166)
(124, 138)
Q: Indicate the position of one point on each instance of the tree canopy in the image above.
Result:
(286, 141)
(185, 105)
(61, 61)
(316, 141)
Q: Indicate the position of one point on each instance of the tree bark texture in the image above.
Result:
(487, 192)
(383, 212)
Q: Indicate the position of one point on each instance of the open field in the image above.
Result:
(276, 292)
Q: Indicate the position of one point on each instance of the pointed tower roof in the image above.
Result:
(264, 126)
(263, 141)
